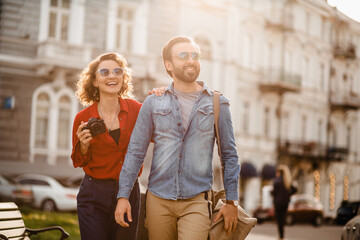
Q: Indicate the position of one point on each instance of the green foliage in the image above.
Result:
(38, 219)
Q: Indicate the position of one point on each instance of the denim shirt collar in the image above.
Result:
(205, 88)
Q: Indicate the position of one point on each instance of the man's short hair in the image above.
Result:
(166, 51)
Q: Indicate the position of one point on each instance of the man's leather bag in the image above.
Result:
(244, 223)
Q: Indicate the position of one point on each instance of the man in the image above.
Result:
(181, 125)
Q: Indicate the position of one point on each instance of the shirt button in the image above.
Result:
(120, 119)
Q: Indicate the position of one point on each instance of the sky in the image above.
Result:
(351, 8)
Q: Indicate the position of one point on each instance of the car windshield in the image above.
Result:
(9, 179)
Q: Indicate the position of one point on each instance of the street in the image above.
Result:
(268, 231)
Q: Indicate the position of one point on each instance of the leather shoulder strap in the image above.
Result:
(216, 103)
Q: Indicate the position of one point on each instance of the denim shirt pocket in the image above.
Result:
(162, 119)
(205, 118)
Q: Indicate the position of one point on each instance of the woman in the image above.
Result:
(281, 195)
(100, 148)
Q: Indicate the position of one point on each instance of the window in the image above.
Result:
(64, 123)
(52, 114)
(306, 72)
(288, 61)
(41, 126)
(268, 55)
(246, 117)
(267, 121)
(59, 19)
(307, 23)
(124, 28)
(348, 137)
(248, 57)
(322, 76)
(303, 128)
(205, 47)
(285, 125)
(320, 130)
(34, 182)
(334, 136)
(351, 84)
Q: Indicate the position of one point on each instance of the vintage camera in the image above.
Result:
(96, 126)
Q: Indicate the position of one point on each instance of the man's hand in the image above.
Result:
(122, 207)
(157, 91)
(230, 214)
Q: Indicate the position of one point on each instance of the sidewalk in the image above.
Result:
(268, 231)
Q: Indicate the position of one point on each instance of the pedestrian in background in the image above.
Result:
(282, 192)
(105, 85)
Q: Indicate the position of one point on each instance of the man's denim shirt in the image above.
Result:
(182, 162)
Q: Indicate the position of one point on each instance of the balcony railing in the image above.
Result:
(279, 19)
(302, 149)
(345, 51)
(312, 150)
(340, 101)
(277, 80)
(64, 54)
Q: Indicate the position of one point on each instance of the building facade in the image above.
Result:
(289, 67)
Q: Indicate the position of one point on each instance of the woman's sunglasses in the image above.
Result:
(117, 72)
(185, 56)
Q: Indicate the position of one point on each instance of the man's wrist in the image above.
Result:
(234, 203)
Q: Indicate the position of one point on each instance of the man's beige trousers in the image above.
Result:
(186, 219)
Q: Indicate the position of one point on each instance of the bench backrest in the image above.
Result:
(11, 223)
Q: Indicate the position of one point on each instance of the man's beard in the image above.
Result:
(181, 74)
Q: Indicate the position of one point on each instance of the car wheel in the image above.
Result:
(289, 220)
(318, 221)
(48, 205)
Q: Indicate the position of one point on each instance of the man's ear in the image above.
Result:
(168, 65)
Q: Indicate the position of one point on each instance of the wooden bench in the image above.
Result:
(12, 225)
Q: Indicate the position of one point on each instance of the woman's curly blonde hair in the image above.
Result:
(85, 90)
(285, 174)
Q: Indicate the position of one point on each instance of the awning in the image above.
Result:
(248, 170)
(268, 172)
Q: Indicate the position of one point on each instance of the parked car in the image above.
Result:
(75, 180)
(305, 208)
(351, 230)
(347, 211)
(49, 194)
(264, 214)
(12, 192)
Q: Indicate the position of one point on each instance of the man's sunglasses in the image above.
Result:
(117, 72)
(185, 56)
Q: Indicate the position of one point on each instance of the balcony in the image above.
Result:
(277, 80)
(64, 54)
(280, 19)
(340, 101)
(335, 153)
(345, 51)
(300, 149)
(312, 150)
